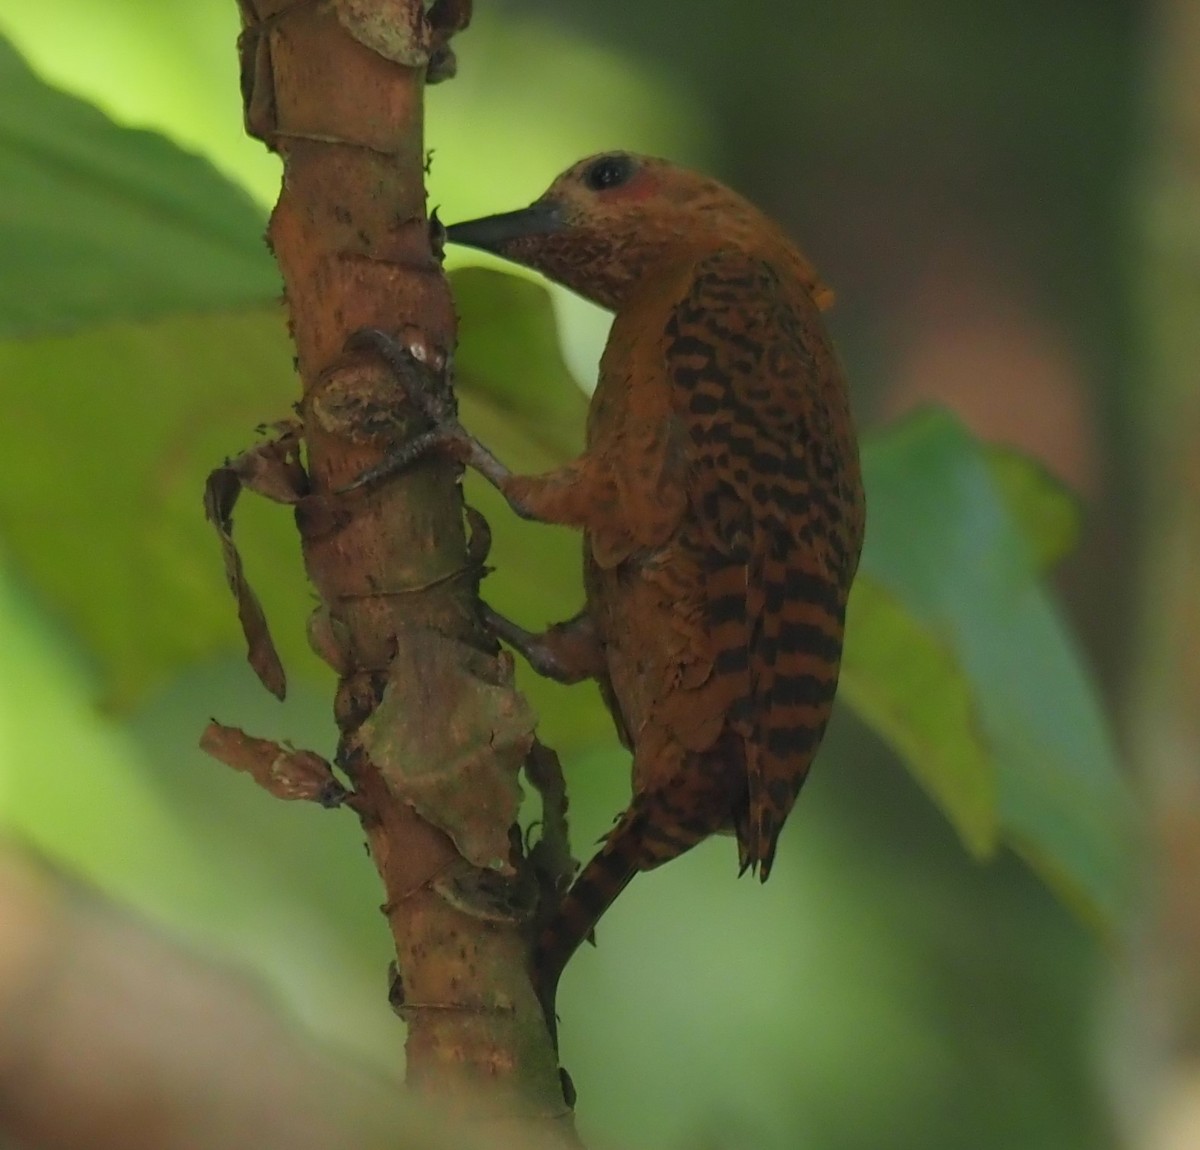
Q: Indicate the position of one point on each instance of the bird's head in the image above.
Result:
(612, 221)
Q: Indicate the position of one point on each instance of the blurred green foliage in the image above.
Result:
(882, 990)
(89, 205)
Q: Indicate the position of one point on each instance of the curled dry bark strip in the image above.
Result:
(551, 854)
(432, 731)
(272, 469)
(282, 771)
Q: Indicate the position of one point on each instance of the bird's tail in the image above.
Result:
(591, 894)
(647, 835)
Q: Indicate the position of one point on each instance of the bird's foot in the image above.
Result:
(567, 652)
(425, 376)
(412, 363)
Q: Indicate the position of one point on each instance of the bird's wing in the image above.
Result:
(776, 509)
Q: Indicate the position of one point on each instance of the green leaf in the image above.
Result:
(102, 222)
(112, 431)
(942, 541)
(911, 688)
(109, 436)
(509, 352)
(1045, 509)
(517, 395)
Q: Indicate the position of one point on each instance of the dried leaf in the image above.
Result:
(271, 469)
(283, 771)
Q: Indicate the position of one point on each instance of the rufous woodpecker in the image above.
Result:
(721, 503)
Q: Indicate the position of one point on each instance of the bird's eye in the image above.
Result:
(608, 172)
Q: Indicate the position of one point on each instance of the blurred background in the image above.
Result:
(1006, 199)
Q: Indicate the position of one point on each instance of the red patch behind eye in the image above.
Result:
(640, 186)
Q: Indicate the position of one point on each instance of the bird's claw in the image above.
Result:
(423, 370)
(408, 453)
(424, 374)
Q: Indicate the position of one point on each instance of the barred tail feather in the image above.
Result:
(795, 653)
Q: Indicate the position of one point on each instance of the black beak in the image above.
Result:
(493, 233)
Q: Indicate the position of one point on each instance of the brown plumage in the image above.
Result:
(721, 503)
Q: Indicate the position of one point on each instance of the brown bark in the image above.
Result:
(432, 731)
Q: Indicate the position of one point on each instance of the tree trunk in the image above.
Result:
(432, 731)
